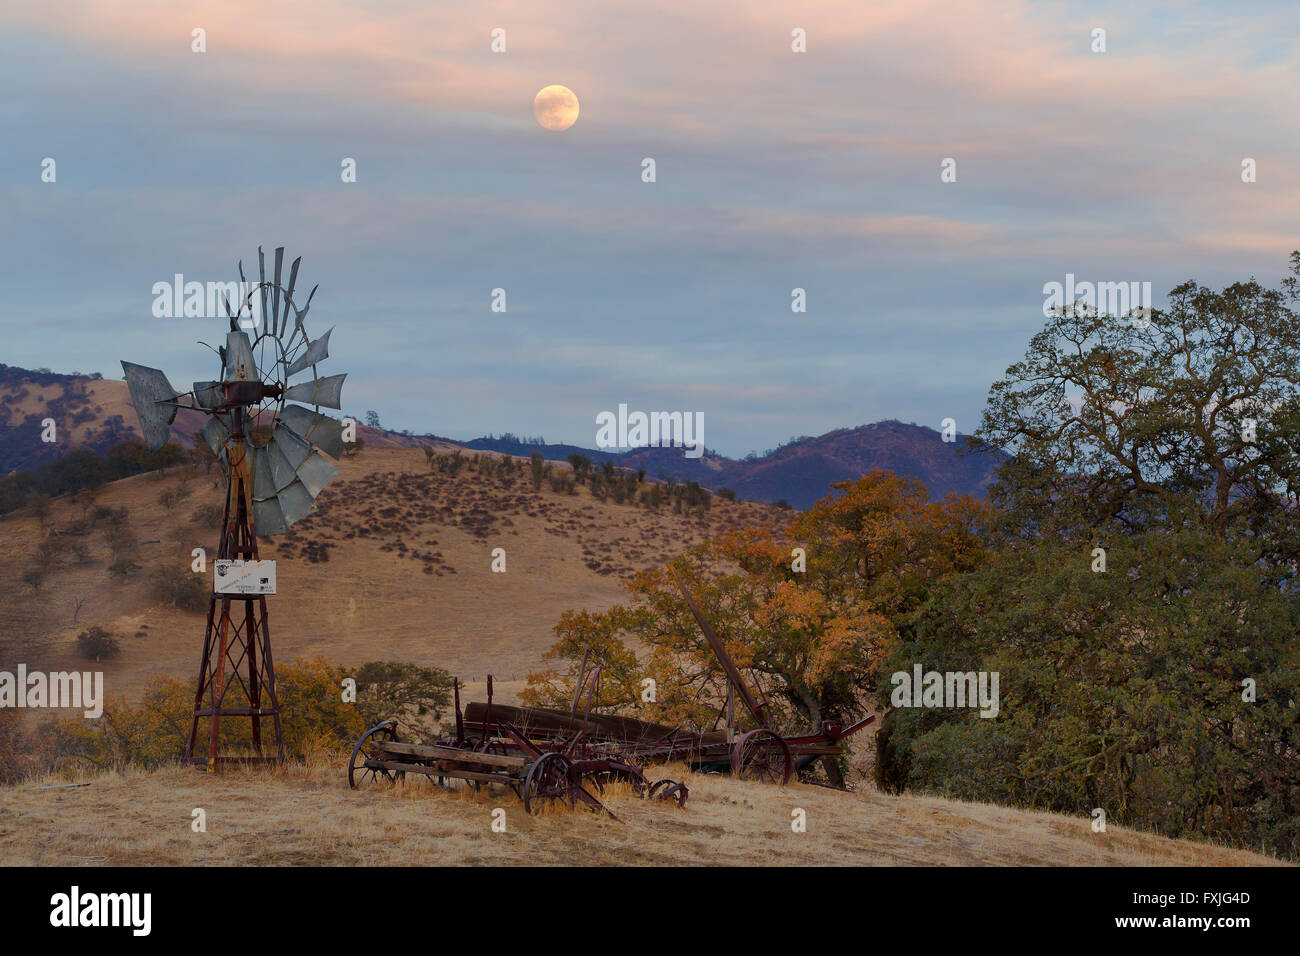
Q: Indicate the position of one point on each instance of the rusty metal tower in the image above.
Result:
(273, 457)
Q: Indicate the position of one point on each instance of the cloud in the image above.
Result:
(775, 170)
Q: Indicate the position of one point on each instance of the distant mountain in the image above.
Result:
(803, 470)
(96, 412)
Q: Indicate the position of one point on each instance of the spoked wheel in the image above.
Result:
(666, 789)
(367, 752)
(487, 746)
(623, 772)
(546, 782)
(762, 755)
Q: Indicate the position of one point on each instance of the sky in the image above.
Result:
(774, 170)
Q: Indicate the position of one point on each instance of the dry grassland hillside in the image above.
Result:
(395, 564)
(308, 816)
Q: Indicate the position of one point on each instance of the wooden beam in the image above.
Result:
(431, 752)
(504, 779)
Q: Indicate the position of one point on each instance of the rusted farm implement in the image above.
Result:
(540, 768)
(547, 755)
(764, 753)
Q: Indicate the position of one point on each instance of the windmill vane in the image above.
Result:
(274, 444)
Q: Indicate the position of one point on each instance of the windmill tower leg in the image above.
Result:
(236, 647)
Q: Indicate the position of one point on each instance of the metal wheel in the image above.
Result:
(546, 782)
(762, 755)
(487, 746)
(366, 751)
(620, 770)
(666, 789)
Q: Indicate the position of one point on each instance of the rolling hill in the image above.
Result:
(95, 412)
(802, 470)
(396, 565)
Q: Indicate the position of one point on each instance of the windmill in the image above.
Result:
(272, 441)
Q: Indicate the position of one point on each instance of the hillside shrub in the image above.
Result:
(98, 644)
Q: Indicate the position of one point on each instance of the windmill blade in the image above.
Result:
(296, 502)
(316, 353)
(282, 473)
(275, 292)
(230, 314)
(322, 431)
(261, 285)
(263, 484)
(239, 358)
(288, 294)
(208, 395)
(316, 472)
(293, 446)
(154, 400)
(298, 317)
(322, 392)
(268, 517)
(215, 433)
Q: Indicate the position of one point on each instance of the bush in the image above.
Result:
(538, 469)
(97, 644)
(123, 568)
(15, 750)
(155, 732)
(209, 516)
(181, 588)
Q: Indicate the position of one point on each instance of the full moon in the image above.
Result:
(556, 107)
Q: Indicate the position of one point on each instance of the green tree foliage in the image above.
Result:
(1128, 424)
(1121, 690)
(415, 696)
(82, 468)
(1169, 442)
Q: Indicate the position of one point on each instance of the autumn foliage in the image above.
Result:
(805, 614)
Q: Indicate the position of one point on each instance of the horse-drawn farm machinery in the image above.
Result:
(548, 755)
(512, 747)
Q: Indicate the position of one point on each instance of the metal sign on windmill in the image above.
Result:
(274, 445)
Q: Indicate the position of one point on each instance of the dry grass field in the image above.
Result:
(395, 565)
(306, 815)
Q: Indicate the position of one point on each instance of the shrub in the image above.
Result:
(209, 516)
(15, 751)
(181, 588)
(97, 644)
(538, 469)
(154, 732)
(123, 568)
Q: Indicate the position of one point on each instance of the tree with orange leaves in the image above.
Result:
(806, 619)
